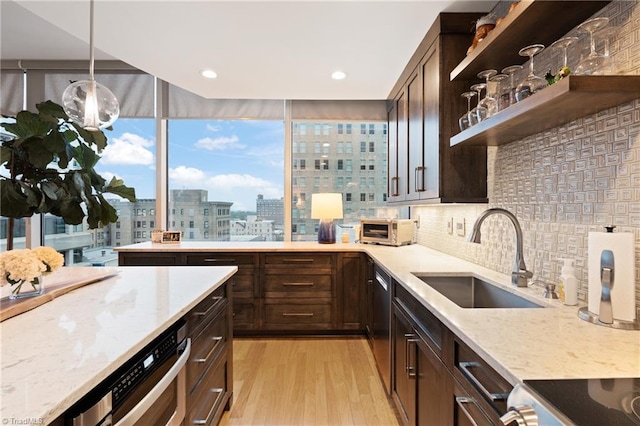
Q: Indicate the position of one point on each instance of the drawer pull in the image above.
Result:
(461, 402)
(216, 299)
(297, 314)
(216, 339)
(298, 284)
(466, 370)
(214, 260)
(219, 392)
(297, 261)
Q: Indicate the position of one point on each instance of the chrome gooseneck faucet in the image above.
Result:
(520, 274)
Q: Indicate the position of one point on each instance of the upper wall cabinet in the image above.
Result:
(423, 110)
(530, 22)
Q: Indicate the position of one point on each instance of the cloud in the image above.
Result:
(187, 176)
(219, 144)
(213, 128)
(128, 149)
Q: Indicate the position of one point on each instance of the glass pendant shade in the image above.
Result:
(90, 104)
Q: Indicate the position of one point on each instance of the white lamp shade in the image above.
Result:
(326, 206)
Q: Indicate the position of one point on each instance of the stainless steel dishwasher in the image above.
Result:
(382, 325)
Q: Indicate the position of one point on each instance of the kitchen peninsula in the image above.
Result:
(55, 354)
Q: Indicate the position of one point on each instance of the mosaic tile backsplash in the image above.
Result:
(562, 183)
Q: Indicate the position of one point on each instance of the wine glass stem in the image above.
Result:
(468, 103)
(565, 56)
(593, 44)
(531, 74)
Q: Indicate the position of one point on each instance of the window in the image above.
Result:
(316, 147)
(372, 164)
(191, 225)
(302, 129)
(117, 235)
(303, 164)
(372, 129)
(303, 147)
(372, 147)
(206, 212)
(345, 181)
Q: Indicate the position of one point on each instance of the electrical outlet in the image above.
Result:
(450, 226)
(461, 228)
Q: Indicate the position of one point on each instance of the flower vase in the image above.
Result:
(23, 289)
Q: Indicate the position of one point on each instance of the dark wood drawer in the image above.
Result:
(208, 400)
(476, 375)
(241, 284)
(297, 285)
(149, 259)
(297, 259)
(206, 348)
(244, 314)
(221, 259)
(202, 314)
(297, 314)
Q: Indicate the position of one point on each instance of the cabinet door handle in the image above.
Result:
(217, 340)
(218, 392)
(407, 360)
(297, 314)
(466, 367)
(396, 186)
(216, 299)
(419, 183)
(412, 371)
(305, 284)
(461, 402)
(214, 260)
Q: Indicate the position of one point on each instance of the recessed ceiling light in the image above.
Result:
(209, 73)
(338, 75)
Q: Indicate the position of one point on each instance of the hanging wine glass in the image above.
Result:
(532, 83)
(594, 63)
(465, 121)
(508, 97)
(497, 82)
(563, 44)
(478, 113)
(489, 102)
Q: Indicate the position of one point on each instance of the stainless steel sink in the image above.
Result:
(472, 292)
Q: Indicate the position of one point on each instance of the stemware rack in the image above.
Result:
(571, 98)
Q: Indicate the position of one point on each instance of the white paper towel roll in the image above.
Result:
(623, 300)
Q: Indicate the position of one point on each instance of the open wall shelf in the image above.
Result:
(571, 98)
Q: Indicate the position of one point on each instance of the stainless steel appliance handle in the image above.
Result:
(176, 371)
(381, 281)
(466, 370)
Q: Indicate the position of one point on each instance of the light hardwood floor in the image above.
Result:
(307, 381)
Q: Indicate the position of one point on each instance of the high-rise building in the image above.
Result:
(270, 209)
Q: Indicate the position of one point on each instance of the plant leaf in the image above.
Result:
(13, 203)
(117, 186)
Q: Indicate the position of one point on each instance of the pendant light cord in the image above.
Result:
(91, 57)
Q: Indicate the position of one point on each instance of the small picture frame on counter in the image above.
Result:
(156, 235)
(169, 237)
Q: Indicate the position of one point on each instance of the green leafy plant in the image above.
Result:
(51, 164)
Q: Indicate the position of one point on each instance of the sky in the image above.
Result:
(233, 160)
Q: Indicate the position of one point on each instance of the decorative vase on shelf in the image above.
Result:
(23, 289)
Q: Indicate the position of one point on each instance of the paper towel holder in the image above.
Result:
(589, 316)
(585, 314)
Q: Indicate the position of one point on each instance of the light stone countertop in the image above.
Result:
(521, 344)
(55, 354)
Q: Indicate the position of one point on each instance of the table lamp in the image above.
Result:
(326, 207)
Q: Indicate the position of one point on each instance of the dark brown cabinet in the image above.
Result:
(422, 385)
(209, 368)
(423, 112)
(276, 292)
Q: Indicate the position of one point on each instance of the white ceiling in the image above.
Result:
(260, 49)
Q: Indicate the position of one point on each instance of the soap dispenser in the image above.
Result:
(568, 287)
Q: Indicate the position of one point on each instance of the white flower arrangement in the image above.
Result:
(25, 265)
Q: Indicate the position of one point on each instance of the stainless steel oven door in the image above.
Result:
(165, 402)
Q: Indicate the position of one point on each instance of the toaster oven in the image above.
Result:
(391, 232)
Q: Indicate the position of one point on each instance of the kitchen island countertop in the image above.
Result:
(55, 354)
(521, 344)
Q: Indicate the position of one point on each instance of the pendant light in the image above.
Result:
(87, 102)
